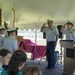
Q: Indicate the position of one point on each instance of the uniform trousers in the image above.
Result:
(50, 51)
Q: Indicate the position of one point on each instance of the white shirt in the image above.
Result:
(51, 33)
(69, 34)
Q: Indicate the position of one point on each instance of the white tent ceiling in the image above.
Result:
(31, 11)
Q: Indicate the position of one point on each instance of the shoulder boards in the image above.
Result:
(54, 27)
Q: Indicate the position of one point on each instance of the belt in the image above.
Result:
(50, 41)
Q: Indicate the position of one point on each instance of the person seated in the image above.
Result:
(32, 70)
(16, 63)
(1, 37)
(5, 56)
(11, 42)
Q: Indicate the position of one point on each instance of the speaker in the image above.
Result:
(59, 28)
(44, 35)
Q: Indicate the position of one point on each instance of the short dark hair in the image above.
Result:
(4, 52)
(17, 58)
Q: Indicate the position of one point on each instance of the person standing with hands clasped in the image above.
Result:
(51, 38)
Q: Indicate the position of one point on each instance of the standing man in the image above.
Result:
(69, 31)
(11, 43)
(1, 37)
(51, 38)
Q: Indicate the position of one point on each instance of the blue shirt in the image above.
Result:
(10, 43)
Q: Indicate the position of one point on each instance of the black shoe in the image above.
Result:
(48, 67)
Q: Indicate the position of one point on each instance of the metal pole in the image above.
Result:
(36, 30)
(13, 15)
(36, 35)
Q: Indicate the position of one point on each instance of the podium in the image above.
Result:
(69, 56)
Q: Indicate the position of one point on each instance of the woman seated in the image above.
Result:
(32, 70)
(5, 56)
(16, 63)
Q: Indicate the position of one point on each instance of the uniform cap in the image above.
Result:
(69, 23)
(49, 20)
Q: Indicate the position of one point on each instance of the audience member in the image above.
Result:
(16, 63)
(11, 43)
(1, 37)
(32, 70)
(5, 56)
